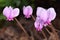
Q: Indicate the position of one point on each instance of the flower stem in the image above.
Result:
(42, 31)
(32, 37)
(44, 34)
(48, 31)
(53, 29)
(33, 18)
(21, 26)
(36, 34)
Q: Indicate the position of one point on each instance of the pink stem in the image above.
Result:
(21, 26)
(44, 34)
(48, 31)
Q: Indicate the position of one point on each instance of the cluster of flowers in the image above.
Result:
(44, 16)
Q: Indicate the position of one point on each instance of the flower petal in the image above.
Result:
(30, 10)
(42, 13)
(6, 12)
(38, 24)
(11, 9)
(52, 14)
(27, 11)
(15, 12)
(41, 26)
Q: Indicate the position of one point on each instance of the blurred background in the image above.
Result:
(34, 3)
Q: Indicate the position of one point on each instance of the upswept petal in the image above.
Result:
(52, 14)
(6, 12)
(42, 13)
(27, 11)
(38, 24)
(15, 12)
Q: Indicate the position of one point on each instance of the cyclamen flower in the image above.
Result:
(38, 24)
(27, 11)
(10, 13)
(44, 17)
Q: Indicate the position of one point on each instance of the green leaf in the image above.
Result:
(24, 3)
(17, 2)
(4, 3)
(2, 17)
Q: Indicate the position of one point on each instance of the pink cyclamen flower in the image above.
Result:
(38, 24)
(44, 17)
(27, 11)
(10, 13)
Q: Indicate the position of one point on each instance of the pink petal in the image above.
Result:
(6, 12)
(15, 12)
(10, 16)
(11, 9)
(42, 13)
(38, 24)
(30, 10)
(27, 11)
(52, 14)
(9, 19)
(41, 26)
(45, 24)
